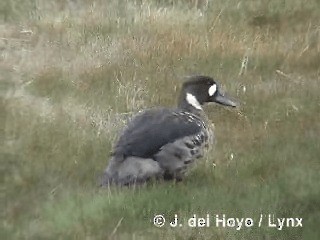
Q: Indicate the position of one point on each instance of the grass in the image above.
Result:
(73, 73)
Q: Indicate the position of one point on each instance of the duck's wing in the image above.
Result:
(149, 131)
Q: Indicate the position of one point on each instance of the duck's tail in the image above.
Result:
(130, 171)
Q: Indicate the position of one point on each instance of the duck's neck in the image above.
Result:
(188, 102)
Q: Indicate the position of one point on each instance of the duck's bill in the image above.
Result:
(224, 100)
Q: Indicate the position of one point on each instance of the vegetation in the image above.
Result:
(73, 71)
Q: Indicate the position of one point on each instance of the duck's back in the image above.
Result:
(149, 131)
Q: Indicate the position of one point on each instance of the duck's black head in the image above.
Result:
(198, 90)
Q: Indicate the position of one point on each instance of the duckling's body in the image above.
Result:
(162, 143)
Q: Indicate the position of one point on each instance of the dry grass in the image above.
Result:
(73, 71)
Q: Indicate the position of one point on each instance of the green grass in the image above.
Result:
(73, 72)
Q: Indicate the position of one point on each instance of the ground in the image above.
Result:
(72, 72)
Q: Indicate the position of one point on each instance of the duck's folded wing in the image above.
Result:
(149, 131)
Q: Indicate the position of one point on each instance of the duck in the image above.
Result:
(163, 143)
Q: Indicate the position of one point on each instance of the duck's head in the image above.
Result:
(198, 90)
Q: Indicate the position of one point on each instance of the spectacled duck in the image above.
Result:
(162, 143)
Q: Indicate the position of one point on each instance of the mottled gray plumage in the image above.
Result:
(154, 128)
(162, 143)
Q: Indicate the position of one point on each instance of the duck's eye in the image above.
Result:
(212, 90)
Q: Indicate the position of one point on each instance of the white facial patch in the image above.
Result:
(212, 90)
(192, 100)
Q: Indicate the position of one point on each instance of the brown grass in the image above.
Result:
(73, 72)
